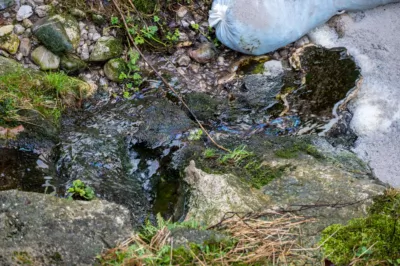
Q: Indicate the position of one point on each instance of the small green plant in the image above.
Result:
(210, 153)
(80, 191)
(236, 155)
(195, 134)
(114, 20)
(195, 26)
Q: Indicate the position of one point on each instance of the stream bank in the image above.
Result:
(285, 116)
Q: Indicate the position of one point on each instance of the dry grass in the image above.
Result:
(259, 240)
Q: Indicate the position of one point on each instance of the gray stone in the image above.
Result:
(212, 196)
(9, 41)
(106, 48)
(85, 52)
(204, 54)
(114, 68)
(25, 46)
(72, 63)
(45, 58)
(24, 12)
(184, 60)
(5, 3)
(27, 23)
(19, 29)
(46, 230)
(42, 11)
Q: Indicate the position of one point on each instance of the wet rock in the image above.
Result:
(9, 41)
(203, 106)
(19, 170)
(72, 63)
(50, 230)
(6, 3)
(184, 61)
(25, 46)
(52, 33)
(204, 54)
(24, 12)
(118, 168)
(42, 11)
(261, 89)
(106, 48)
(211, 196)
(114, 68)
(45, 59)
(329, 76)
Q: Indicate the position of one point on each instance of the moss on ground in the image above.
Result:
(45, 94)
(374, 240)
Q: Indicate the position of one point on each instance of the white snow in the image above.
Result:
(373, 38)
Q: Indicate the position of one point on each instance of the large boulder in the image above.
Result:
(303, 175)
(40, 229)
(213, 196)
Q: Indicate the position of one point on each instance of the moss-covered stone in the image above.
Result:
(72, 63)
(145, 6)
(8, 40)
(106, 48)
(114, 68)
(53, 35)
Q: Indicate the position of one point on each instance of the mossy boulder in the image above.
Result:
(45, 59)
(72, 63)
(114, 68)
(106, 48)
(9, 41)
(52, 32)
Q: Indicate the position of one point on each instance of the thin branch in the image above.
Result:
(165, 81)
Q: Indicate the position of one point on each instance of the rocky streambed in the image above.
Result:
(142, 151)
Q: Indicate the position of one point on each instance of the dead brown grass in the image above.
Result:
(259, 239)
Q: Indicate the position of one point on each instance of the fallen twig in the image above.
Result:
(163, 79)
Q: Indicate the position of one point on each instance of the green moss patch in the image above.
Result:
(374, 240)
(45, 94)
(242, 163)
(294, 151)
